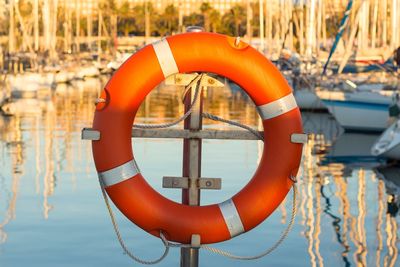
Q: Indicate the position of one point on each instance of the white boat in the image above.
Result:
(119, 59)
(61, 73)
(359, 110)
(27, 106)
(388, 144)
(63, 76)
(103, 66)
(30, 85)
(87, 71)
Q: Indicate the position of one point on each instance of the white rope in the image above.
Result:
(121, 241)
(169, 244)
(227, 254)
(234, 123)
(284, 235)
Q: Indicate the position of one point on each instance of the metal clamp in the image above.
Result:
(184, 79)
(99, 100)
(90, 134)
(183, 182)
(195, 241)
(293, 178)
(299, 138)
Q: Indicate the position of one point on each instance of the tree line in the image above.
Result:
(113, 19)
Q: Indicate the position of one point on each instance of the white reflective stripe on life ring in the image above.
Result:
(231, 217)
(277, 107)
(165, 58)
(118, 174)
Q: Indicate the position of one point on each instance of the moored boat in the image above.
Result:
(29, 85)
(27, 106)
(87, 71)
(388, 144)
(359, 110)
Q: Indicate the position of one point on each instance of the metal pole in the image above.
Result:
(192, 169)
(192, 164)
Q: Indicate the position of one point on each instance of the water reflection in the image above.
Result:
(36, 125)
(350, 166)
(390, 176)
(348, 207)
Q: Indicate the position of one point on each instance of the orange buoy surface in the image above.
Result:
(197, 52)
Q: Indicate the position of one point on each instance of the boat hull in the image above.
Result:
(388, 144)
(308, 100)
(365, 111)
(357, 116)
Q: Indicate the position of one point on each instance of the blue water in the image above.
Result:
(52, 212)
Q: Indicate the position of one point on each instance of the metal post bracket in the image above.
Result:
(195, 241)
(184, 79)
(299, 138)
(183, 183)
(194, 134)
(90, 134)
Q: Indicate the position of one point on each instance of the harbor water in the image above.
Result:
(52, 212)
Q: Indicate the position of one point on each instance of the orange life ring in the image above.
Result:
(190, 52)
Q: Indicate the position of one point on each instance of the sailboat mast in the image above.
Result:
(46, 24)
(89, 28)
(180, 17)
(54, 28)
(11, 33)
(364, 25)
(310, 29)
(323, 4)
(249, 16)
(319, 26)
(374, 24)
(384, 22)
(301, 33)
(393, 41)
(99, 36)
(78, 25)
(146, 23)
(70, 31)
(262, 45)
(36, 24)
(268, 21)
(290, 23)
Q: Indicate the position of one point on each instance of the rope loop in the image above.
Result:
(121, 241)
(284, 235)
(224, 253)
